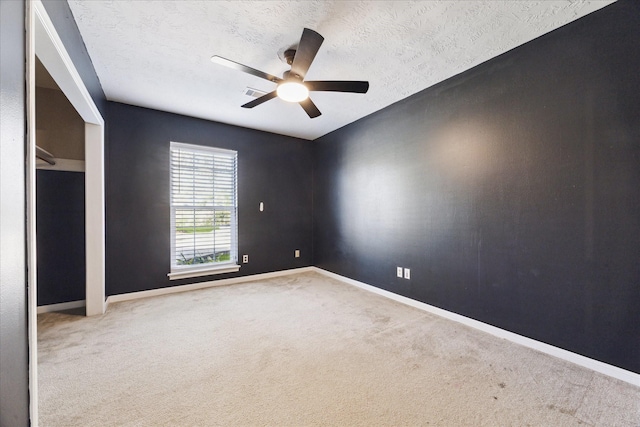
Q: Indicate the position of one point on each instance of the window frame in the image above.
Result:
(186, 271)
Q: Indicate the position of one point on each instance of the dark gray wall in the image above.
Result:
(67, 29)
(273, 169)
(60, 236)
(14, 362)
(511, 191)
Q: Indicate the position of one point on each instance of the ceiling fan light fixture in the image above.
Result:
(292, 91)
(292, 87)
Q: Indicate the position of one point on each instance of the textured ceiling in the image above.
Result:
(157, 54)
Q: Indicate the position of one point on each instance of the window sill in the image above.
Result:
(203, 271)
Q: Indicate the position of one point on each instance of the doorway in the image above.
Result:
(44, 43)
(60, 205)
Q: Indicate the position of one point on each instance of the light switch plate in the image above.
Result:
(407, 273)
(399, 272)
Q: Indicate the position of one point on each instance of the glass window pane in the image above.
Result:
(203, 197)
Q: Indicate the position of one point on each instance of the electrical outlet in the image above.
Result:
(245, 259)
(399, 272)
(407, 273)
(297, 253)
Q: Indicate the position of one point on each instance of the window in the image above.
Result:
(204, 236)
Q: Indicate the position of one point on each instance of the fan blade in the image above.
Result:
(258, 101)
(338, 86)
(307, 49)
(310, 108)
(237, 66)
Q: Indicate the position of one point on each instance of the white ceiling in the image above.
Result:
(157, 54)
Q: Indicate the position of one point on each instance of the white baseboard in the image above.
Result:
(594, 365)
(61, 306)
(203, 285)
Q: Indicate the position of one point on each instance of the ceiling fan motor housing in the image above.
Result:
(288, 75)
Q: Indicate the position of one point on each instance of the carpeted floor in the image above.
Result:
(304, 350)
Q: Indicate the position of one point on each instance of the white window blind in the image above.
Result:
(203, 208)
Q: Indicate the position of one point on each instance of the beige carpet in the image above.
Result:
(304, 350)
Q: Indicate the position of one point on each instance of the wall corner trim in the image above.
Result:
(586, 362)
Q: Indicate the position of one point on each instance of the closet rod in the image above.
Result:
(45, 155)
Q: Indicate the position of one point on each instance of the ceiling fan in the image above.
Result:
(292, 87)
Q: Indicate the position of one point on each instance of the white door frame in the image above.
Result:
(44, 41)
